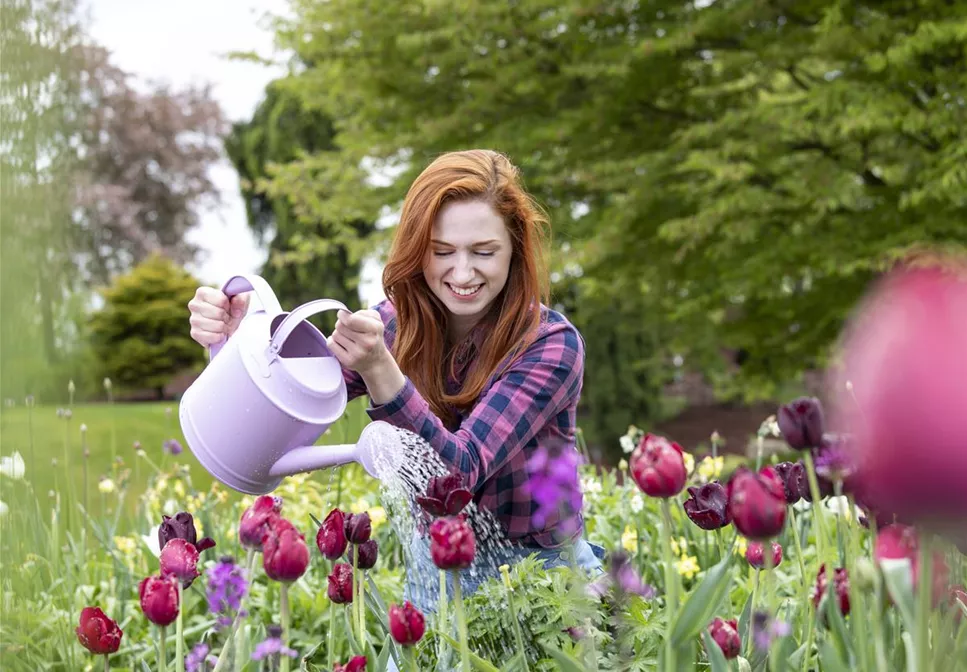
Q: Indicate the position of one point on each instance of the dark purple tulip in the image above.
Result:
(793, 477)
(341, 583)
(368, 553)
(331, 537)
(445, 496)
(757, 503)
(358, 527)
(182, 526)
(802, 423)
(708, 506)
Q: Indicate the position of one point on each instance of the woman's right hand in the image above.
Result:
(215, 317)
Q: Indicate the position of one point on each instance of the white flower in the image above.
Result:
(637, 503)
(170, 507)
(151, 541)
(107, 383)
(12, 467)
(106, 485)
(840, 506)
(802, 505)
(591, 486)
(4, 509)
(627, 445)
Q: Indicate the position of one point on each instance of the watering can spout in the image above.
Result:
(377, 450)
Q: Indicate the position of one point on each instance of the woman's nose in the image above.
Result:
(462, 270)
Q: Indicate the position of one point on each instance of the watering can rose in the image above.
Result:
(97, 633)
(658, 467)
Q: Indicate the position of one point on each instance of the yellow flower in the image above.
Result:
(161, 484)
(689, 463)
(711, 468)
(629, 540)
(623, 465)
(679, 546)
(377, 516)
(740, 546)
(126, 545)
(359, 506)
(687, 566)
(221, 496)
(179, 488)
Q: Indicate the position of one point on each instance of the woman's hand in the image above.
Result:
(215, 317)
(357, 341)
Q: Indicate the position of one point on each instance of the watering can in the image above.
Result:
(268, 393)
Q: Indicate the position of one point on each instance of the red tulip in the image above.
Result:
(368, 553)
(331, 537)
(179, 558)
(897, 542)
(452, 543)
(757, 503)
(905, 359)
(802, 423)
(356, 664)
(708, 506)
(97, 633)
(755, 554)
(159, 599)
(445, 496)
(726, 635)
(406, 624)
(840, 588)
(341, 583)
(358, 527)
(658, 467)
(256, 520)
(285, 555)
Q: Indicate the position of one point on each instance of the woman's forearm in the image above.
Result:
(383, 380)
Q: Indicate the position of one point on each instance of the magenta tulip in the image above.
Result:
(452, 543)
(445, 496)
(755, 554)
(285, 555)
(331, 537)
(757, 503)
(179, 558)
(658, 467)
(256, 520)
(97, 633)
(726, 635)
(840, 588)
(341, 583)
(159, 599)
(406, 624)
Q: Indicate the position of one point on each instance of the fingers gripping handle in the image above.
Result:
(238, 284)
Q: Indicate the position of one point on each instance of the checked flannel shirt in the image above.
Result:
(531, 404)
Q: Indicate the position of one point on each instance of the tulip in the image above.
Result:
(367, 554)
(708, 506)
(331, 537)
(179, 559)
(834, 460)
(356, 664)
(445, 496)
(406, 624)
(452, 543)
(755, 554)
(358, 527)
(13, 467)
(341, 583)
(905, 360)
(285, 555)
(256, 520)
(757, 503)
(159, 599)
(802, 423)
(726, 635)
(97, 633)
(840, 588)
(794, 482)
(658, 467)
(182, 526)
(898, 542)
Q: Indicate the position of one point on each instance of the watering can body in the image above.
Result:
(269, 392)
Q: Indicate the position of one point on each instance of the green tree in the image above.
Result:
(140, 336)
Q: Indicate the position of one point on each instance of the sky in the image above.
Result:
(180, 42)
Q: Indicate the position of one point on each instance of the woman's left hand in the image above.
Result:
(357, 341)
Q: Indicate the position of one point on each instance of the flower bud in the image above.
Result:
(285, 555)
(708, 506)
(358, 527)
(368, 552)
(755, 554)
(341, 583)
(356, 664)
(757, 503)
(179, 559)
(159, 599)
(840, 588)
(97, 633)
(658, 467)
(726, 635)
(406, 624)
(331, 537)
(802, 423)
(452, 543)
(255, 522)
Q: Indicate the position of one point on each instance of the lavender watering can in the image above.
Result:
(268, 393)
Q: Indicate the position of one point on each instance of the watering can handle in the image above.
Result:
(248, 283)
(295, 318)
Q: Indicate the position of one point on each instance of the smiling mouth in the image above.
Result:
(464, 291)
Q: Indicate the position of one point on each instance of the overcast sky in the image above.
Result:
(185, 41)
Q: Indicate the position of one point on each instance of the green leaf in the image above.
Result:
(898, 577)
(315, 520)
(702, 604)
(353, 642)
(478, 662)
(836, 623)
(745, 619)
(565, 662)
(829, 656)
(716, 659)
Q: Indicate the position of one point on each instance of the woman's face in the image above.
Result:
(468, 261)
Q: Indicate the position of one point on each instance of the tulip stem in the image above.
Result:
(163, 652)
(356, 619)
(817, 505)
(924, 595)
(332, 629)
(461, 621)
(442, 612)
(180, 631)
(284, 611)
(671, 592)
(107, 662)
(362, 608)
(519, 639)
(410, 659)
(755, 594)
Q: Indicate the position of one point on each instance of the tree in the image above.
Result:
(307, 259)
(140, 336)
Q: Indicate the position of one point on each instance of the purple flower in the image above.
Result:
(626, 578)
(172, 446)
(199, 660)
(766, 629)
(553, 482)
(833, 461)
(226, 587)
(272, 645)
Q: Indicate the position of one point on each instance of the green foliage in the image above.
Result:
(140, 335)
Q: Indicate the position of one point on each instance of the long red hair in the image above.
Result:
(420, 348)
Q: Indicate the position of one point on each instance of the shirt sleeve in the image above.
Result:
(526, 397)
(355, 387)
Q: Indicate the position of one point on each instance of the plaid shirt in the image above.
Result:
(531, 404)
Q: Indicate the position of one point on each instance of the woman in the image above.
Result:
(464, 352)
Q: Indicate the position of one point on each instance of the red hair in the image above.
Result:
(511, 322)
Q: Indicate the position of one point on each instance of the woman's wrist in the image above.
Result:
(384, 380)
